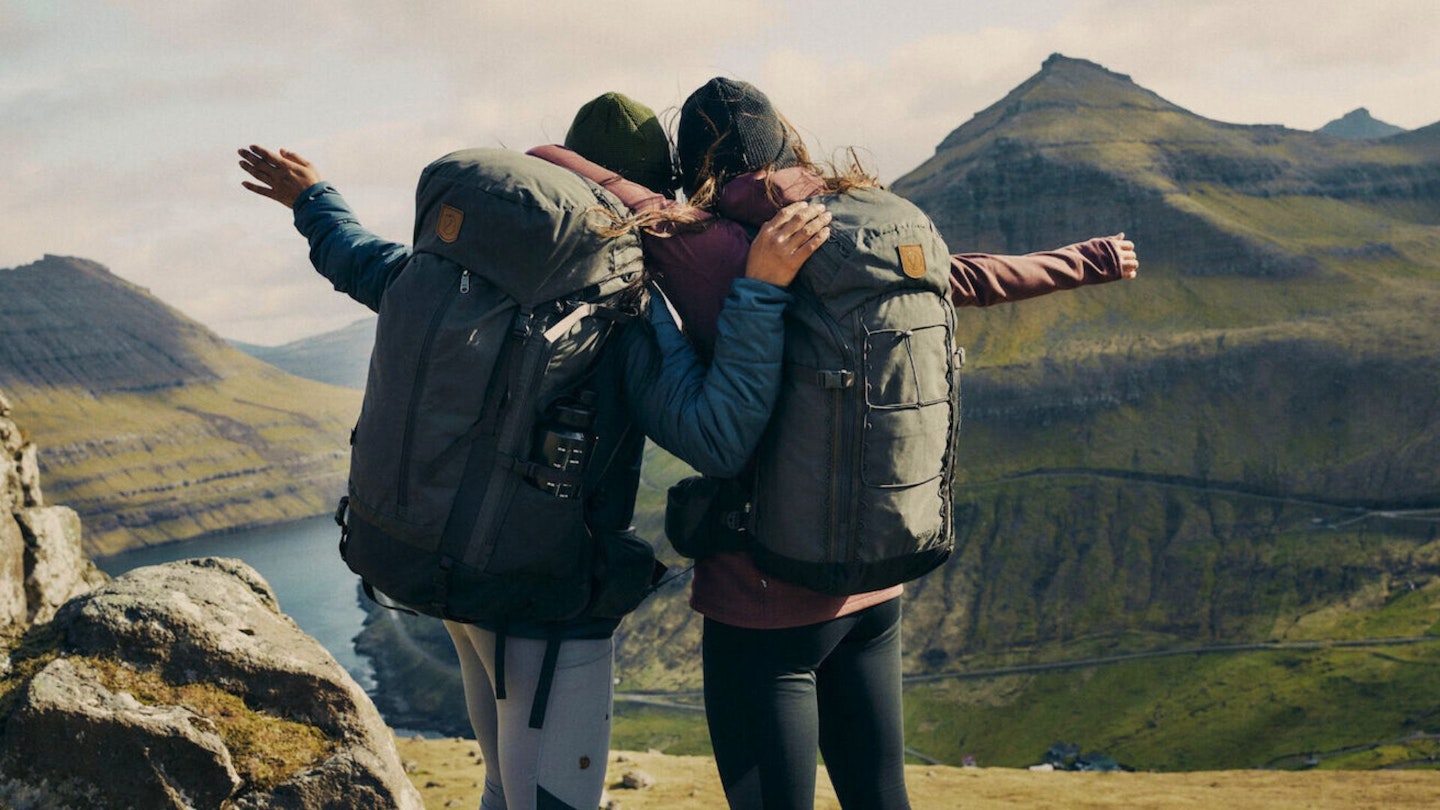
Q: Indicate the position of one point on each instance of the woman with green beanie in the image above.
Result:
(648, 381)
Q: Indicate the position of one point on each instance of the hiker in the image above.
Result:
(788, 669)
(647, 375)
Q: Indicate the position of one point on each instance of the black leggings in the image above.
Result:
(773, 696)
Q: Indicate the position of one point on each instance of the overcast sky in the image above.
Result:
(119, 120)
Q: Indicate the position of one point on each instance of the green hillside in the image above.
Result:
(149, 425)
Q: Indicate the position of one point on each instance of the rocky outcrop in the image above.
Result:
(41, 564)
(183, 685)
(175, 686)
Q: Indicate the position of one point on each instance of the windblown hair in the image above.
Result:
(837, 177)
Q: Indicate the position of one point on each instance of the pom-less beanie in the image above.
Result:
(625, 137)
(728, 128)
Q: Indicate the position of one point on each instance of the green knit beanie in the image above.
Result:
(625, 137)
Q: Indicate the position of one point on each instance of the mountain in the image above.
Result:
(340, 357)
(150, 425)
(1289, 291)
(1358, 124)
(1239, 446)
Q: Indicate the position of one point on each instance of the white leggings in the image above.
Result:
(560, 766)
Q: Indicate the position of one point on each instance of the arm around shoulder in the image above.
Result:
(713, 418)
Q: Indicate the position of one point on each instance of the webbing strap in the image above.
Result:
(500, 665)
(547, 678)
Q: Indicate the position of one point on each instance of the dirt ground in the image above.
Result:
(449, 775)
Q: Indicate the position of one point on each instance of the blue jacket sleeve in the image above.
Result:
(359, 263)
(713, 418)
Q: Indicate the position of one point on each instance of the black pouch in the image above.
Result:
(705, 515)
(625, 572)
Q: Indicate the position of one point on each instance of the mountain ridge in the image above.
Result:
(150, 425)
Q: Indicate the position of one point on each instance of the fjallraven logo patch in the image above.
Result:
(912, 260)
(448, 226)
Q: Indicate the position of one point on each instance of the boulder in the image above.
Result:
(56, 568)
(13, 610)
(204, 624)
(79, 735)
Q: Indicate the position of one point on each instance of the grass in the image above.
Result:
(1195, 712)
(164, 466)
(638, 727)
(265, 749)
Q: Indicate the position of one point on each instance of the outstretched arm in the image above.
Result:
(982, 279)
(356, 261)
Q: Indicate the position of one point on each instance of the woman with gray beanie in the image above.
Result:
(788, 669)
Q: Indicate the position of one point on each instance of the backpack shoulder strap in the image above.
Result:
(635, 196)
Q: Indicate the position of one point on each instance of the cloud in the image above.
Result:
(1284, 61)
(898, 108)
(119, 118)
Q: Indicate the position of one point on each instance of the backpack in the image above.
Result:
(853, 479)
(471, 457)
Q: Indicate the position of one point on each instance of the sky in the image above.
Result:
(120, 119)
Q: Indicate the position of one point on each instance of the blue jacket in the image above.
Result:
(657, 386)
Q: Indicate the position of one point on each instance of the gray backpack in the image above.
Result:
(853, 479)
(469, 461)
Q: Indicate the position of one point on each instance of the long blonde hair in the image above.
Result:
(836, 177)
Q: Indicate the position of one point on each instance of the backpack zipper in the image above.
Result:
(841, 438)
(402, 495)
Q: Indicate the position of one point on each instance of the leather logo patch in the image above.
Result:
(448, 226)
(912, 260)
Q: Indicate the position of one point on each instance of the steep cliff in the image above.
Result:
(153, 428)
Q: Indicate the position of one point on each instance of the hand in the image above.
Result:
(786, 241)
(282, 175)
(1129, 262)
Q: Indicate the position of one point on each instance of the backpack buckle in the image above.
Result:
(524, 324)
(839, 378)
(736, 519)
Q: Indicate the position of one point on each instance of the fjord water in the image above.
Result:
(301, 562)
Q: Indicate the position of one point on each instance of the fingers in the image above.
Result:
(1125, 253)
(786, 241)
(282, 175)
(800, 227)
(295, 158)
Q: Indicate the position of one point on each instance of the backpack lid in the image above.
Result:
(525, 225)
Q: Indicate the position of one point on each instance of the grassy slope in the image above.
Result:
(251, 449)
(1219, 711)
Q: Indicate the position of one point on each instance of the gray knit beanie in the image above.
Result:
(728, 128)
